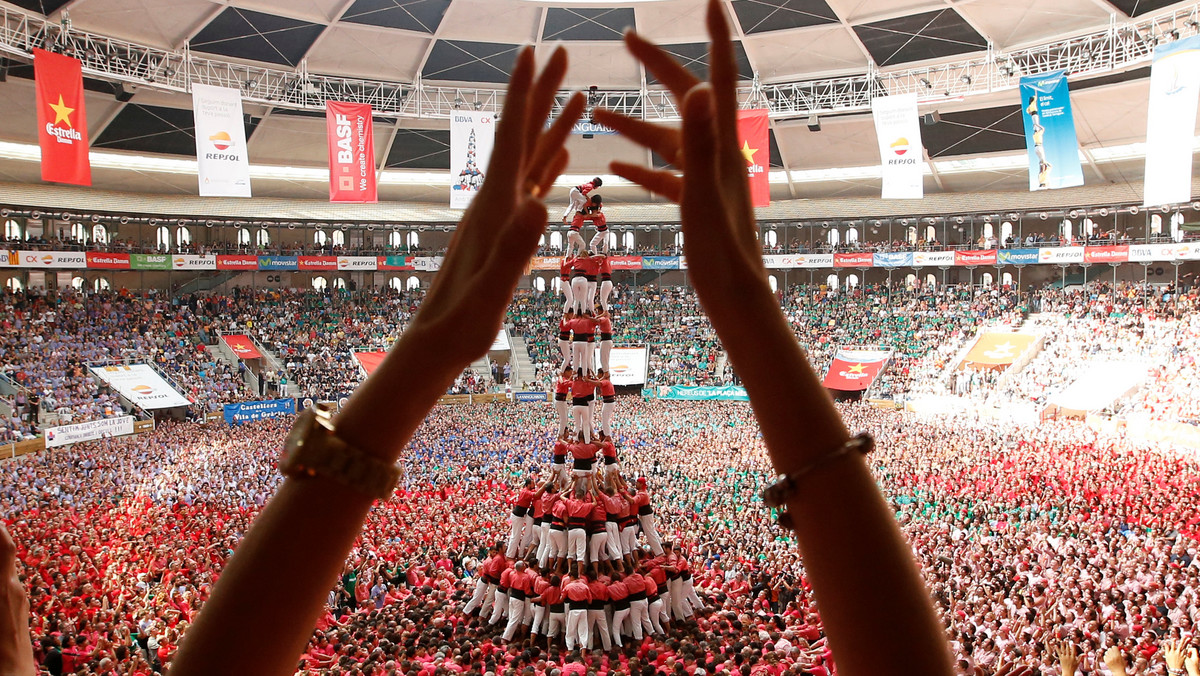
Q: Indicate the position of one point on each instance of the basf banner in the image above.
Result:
(351, 152)
(901, 155)
(249, 411)
(754, 140)
(1171, 121)
(628, 364)
(87, 431)
(223, 163)
(855, 370)
(1050, 132)
(142, 385)
(471, 137)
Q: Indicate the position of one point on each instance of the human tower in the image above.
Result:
(573, 568)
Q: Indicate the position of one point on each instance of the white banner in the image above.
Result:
(898, 129)
(142, 385)
(181, 262)
(357, 263)
(75, 260)
(93, 429)
(628, 364)
(500, 344)
(224, 164)
(814, 261)
(1062, 254)
(1149, 253)
(1171, 121)
(426, 263)
(471, 137)
(924, 258)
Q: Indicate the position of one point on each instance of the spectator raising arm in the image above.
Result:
(861, 567)
(278, 579)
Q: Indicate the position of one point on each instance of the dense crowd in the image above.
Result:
(1024, 535)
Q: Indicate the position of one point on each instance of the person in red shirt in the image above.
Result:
(543, 506)
(606, 283)
(484, 587)
(641, 500)
(579, 599)
(613, 505)
(537, 606)
(564, 336)
(591, 273)
(550, 601)
(618, 595)
(579, 198)
(600, 239)
(564, 281)
(639, 610)
(521, 522)
(605, 330)
(592, 211)
(597, 617)
(583, 337)
(558, 532)
(654, 604)
(500, 608)
(608, 401)
(597, 532)
(582, 393)
(558, 456)
(583, 454)
(520, 586)
(579, 508)
(561, 389)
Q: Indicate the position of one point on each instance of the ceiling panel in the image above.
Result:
(144, 128)
(257, 36)
(358, 51)
(1140, 7)
(760, 16)
(463, 61)
(159, 23)
(973, 132)
(40, 6)
(780, 56)
(564, 23)
(420, 149)
(842, 142)
(491, 21)
(694, 57)
(423, 16)
(1008, 23)
(604, 64)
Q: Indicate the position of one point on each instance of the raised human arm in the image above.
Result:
(277, 580)
(861, 567)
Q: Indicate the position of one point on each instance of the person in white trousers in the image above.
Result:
(579, 598)
(518, 598)
(521, 521)
(500, 608)
(564, 338)
(564, 281)
(646, 517)
(578, 197)
(604, 335)
(608, 399)
(597, 616)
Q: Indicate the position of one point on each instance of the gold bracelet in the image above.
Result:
(777, 494)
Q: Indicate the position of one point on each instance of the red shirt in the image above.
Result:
(635, 583)
(581, 389)
(607, 389)
(522, 581)
(525, 498)
(603, 324)
(606, 266)
(564, 270)
(583, 328)
(618, 590)
(578, 591)
(607, 449)
(578, 509)
(552, 596)
(599, 590)
(590, 266)
(584, 451)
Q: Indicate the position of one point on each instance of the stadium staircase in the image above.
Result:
(483, 369)
(201, 284)
(719, 366)
(523, 370)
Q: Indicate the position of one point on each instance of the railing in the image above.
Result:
(1118, 46)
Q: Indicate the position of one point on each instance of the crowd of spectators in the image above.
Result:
(1025, 536)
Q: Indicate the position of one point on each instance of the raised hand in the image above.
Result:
(1115, 660)
(1068, 659)
(16, 651)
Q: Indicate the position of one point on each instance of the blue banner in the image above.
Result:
(1018, 256)
(726, 393)
(893, 260)
(249, 411)
(1050, 132)
(660, 262)
(278, 262)
(530, 396)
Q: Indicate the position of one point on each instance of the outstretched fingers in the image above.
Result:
(701, 204)
(658, 182)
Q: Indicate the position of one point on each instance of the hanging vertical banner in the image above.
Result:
(1050, 132)
(471, 138)
(351, 152)
(220, 142)
(754, 135)
(62, 120)
(901, 155)
(1171, 121)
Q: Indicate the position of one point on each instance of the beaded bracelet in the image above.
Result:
(777, 494)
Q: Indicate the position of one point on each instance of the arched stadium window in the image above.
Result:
(539, 284)
(1155, 224)
(1177, 227)
(339, 283)
(414, 240)
(832, 281)
(78, 232)
(395, 239)
(1089, 227)
(851, 235)
(556, 242)
(320, 238)
(1006, 231)
(770, 238)
(413, 282)
(986, 280)
(1007, 279)
(773, 283)
(852, 282)
(912, 234)
(931, 280)
(14, 284)
(243, 237)
(183, 236)
(628, 241)
(931, 234)
(12, 230)
(264, 237)
(339, 238)
(164, 238)
(989, 231)
(910, 280)
(556, 285)
(77, 283)
(101, 284)
(679, 239)
(611, 240)
(394, 283)
(319, 283)
(100, 233)
(1066, 229)
(835, 237)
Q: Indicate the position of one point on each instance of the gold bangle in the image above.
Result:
(777, 494)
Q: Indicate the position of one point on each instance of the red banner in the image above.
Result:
(393, 263)
(982, 257)
(853, 260)
(351, 152)
(108, 261)
(242, 346)
(625, 262)
(754, 138)
(370, 360)
(854, 370)
(62, 120)
(1106, 254)
(318, 263)
(237, 262)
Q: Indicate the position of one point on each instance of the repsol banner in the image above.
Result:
(249, 411)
